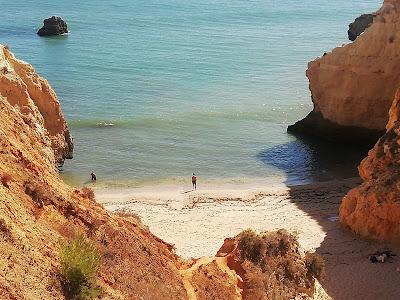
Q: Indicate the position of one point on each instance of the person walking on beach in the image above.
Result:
(194, 181)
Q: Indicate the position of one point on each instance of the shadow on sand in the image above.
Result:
(349, 274)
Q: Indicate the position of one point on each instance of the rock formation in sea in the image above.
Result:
(37, 103)
(352, 87)
(372, 210)
(53, 26)
(359, 25)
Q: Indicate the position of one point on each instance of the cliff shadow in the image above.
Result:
(308, 160)
(319, 174)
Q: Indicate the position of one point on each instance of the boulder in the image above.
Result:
(359, 25)
(53, 26)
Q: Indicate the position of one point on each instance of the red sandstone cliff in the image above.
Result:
(373, 209)
(353, 86)
(36, 101)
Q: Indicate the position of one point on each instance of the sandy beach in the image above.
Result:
(197, 222)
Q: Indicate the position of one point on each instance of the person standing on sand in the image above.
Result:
(194, 181)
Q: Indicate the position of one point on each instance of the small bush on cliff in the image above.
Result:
(80, 261)
(126, 213)
(315, 265)
(250, 245)
(274, 266)
(88, 193)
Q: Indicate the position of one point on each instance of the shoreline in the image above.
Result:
(179, 182)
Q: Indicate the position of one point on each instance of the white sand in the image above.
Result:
(197, 223)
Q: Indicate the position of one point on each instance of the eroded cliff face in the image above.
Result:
(37, 211)
(373, 209)
(353, 86)
(36, 101)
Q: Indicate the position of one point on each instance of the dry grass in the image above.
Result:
(250, 245)
(126, 213)
(274, 267)
(88, 193)
(315, 265)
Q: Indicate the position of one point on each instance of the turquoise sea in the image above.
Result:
(189, 86)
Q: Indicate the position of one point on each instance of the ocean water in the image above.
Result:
(189, 86)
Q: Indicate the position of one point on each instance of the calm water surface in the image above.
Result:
(189, 86)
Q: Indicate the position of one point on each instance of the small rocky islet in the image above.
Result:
(53, 26)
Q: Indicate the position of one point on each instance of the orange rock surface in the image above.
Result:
(373, 209)
(36, 101)
(353, 86)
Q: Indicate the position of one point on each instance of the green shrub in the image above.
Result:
(80, 261)
(315, 265)
(250, 245)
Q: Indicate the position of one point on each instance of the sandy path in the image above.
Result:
(197, 223)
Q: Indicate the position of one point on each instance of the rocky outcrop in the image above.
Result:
(359, 25)
(372, 210)
(36, 101)
(53, 26)
(352, 87)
